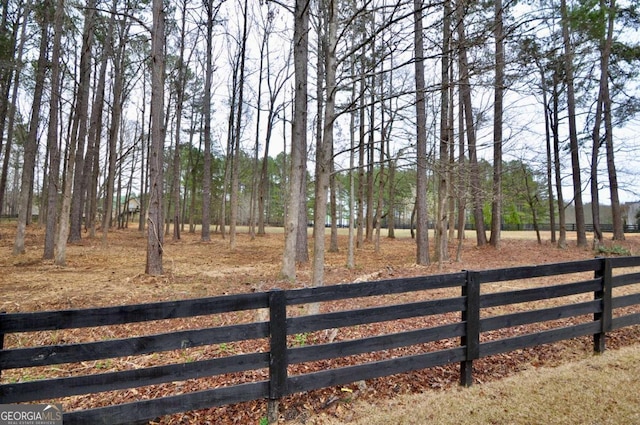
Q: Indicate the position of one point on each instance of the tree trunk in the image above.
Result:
(119, 204)
(465, 93)
(6, 75)
(552, 214)
(302, 237)
(595, 153)
(352, 180)
(422, 239)
(381, 181)
(462, 188)
(532, 200)
(182, 82)
(206, 175)
(8, 69)
(333, 200)
(562, 239)
(381, 170)
(235, 176)
(114, 130)
(256, 214)
(299, 139)
(264, 172)
(144, 153)
(91, 163)
(42, 218)
(368, 235)
(92, 188)
(82, 111)
(369, 185)
(52, 133)
(391, 213)
(194, 167)
(9, 105)
(78, 130)
(496, 203)
(361, 152)
(189, 181)
(549, 159)
(228, 163)
(573, 132)
(442, 251)
(31, 145)
(127, 196)
(452, 154)
(618, 227)
(323, 151)
(155, 235)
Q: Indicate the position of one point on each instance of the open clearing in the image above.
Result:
(112, 273)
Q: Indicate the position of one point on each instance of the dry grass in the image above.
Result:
(601, 389)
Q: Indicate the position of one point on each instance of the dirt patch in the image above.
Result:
(100, 273)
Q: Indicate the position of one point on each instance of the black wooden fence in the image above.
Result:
(473, 296)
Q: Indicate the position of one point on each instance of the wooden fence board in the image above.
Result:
(372, 344)
(87, 384)
(373, 315)
(82, 318)
(538, 338)
(527, 272)
(58, 354)
(496, 299)
(621, 262)
(625, 279)
(625, 300)
(624, 321)
(3, 314)
(150, 409)
(374, 288)
(345, 375)
(540, 315)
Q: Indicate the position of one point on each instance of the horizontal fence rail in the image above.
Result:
(458, 317)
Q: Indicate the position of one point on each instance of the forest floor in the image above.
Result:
(111, 272)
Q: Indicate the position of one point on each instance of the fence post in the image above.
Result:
(277, 352)
(605, 297)
(2, 313)
(471, 317)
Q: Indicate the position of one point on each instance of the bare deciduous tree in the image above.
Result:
(155, 235)
(573, 130)
(496, 202)
(52, 132)
(293, 224)
(422, 229)
(31, 144)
